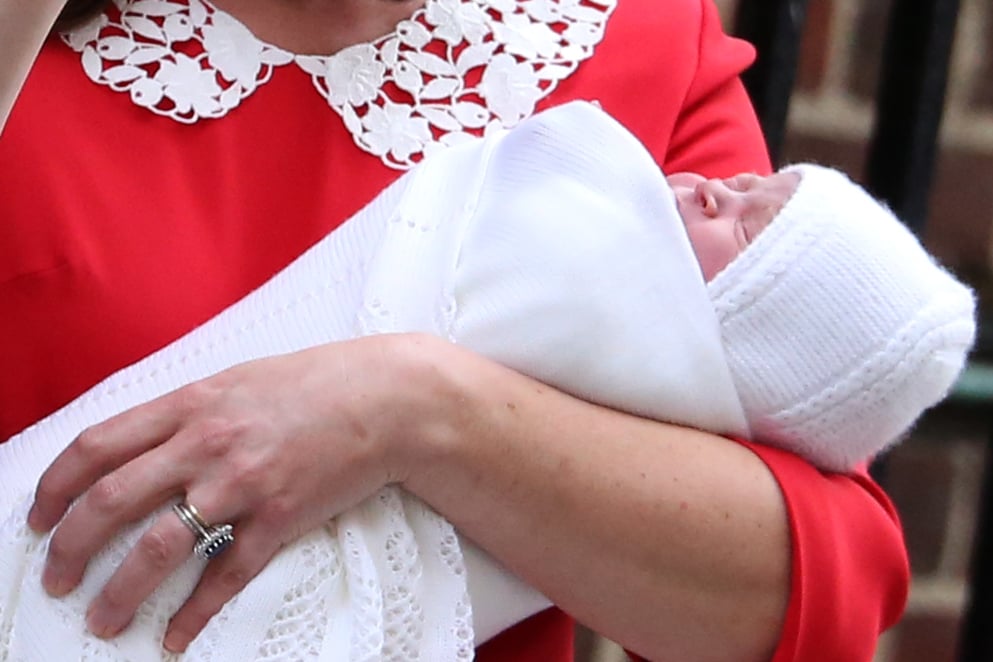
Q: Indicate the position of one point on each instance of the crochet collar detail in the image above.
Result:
(455, 70)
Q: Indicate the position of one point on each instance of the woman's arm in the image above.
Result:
(24, 24)
(670, 541)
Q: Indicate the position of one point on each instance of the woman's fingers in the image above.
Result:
(99, 450)
(224, 577)
(156, 555)
(272, 446)
(160, 551)
(115, 500)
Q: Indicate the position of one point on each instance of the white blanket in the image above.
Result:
(554, 248)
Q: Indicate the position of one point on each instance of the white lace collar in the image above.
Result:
(189, 60)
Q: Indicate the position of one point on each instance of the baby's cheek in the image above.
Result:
(714, 245)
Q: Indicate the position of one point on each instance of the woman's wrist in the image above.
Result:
(462, 412)
(426, 403)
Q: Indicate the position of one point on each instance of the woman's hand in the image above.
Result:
(276, 447)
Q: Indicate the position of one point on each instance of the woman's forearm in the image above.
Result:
(24, 24)
(671, 541)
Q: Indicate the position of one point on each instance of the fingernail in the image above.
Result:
(175, 641)
(54, 581)
(36, 521)
(100, 626)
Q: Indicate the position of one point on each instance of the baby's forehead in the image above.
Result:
(775, 189)
(782, 179)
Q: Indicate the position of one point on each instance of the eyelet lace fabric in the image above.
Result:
(456, 69)
(383, 581)
(350, 590)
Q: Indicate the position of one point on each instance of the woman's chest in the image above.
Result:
(117, 239)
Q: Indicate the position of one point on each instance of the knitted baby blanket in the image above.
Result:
(554, 248)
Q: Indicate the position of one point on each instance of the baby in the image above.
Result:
(839, 329)
(834, 326)
(559, 249)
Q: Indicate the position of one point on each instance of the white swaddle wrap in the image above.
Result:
(554, 248)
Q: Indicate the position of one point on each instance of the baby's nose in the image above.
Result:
(709, 194)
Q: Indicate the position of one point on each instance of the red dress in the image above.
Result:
(122, 230)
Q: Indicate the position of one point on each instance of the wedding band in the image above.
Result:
(212, 539)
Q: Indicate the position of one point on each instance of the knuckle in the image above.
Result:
(155, 550)
(247, 473)
(88, 445)
(232, 579)
(193, 396)
(115, 597)
(107, 495)
(275, 513)
(213, 437)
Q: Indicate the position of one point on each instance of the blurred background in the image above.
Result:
(935, 476)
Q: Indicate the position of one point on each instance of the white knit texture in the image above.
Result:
(388, 580)
(840, 329)
(384, 581)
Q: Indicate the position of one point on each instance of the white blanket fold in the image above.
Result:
(554, 248)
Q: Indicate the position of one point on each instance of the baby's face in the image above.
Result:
(723, 216)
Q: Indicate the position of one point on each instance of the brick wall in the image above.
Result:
(831, 116)
(934, 476)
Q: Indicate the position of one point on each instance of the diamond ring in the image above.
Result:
(212, 539)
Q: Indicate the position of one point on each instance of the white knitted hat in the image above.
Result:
(839, 328)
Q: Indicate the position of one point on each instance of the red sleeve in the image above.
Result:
(850, 574)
